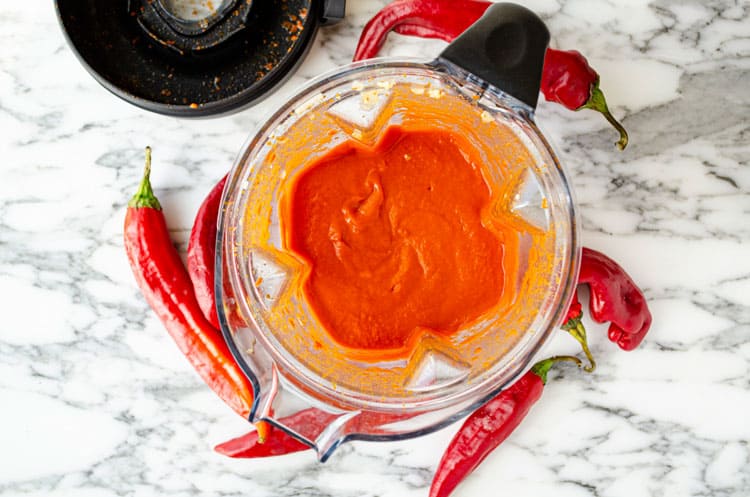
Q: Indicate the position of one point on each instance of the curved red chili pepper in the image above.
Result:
(483, 431)
(492, 423)
(615, 298)
(567, 78)
(166, 285)
(489, 426)
(442, 19)
(201, 252)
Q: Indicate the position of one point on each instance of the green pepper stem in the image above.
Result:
(542, 367)
(598, 103)
(577, 331)
(145, 197)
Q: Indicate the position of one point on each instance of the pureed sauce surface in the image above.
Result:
(394, 239)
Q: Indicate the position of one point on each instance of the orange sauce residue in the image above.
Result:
(393, 239)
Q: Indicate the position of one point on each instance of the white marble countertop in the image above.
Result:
(95, 399)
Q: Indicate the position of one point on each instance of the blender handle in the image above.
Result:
(505, 48)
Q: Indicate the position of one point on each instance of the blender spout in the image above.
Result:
(335, 434)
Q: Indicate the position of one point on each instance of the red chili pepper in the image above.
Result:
(248, 446)
(615, 298)
(575, 311)
(567, 78)
(489, 426)
(442, 19)
(201, 252)
(166, 285)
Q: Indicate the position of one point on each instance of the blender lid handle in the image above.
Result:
(504, 48)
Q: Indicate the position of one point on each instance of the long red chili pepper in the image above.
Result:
(489, 426)
(615, 298)
(567, 78)
(166, 285)
(202, 251)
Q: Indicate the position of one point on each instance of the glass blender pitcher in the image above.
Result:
(484, 86)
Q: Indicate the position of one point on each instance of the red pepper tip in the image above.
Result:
(223, 450)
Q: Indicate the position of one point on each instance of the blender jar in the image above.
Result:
(484, 86)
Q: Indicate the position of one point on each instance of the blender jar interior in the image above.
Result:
(263, 304)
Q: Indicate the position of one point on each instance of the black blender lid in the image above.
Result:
(193, 58)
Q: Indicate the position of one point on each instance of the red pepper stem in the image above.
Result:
(542, 367)
(598, 103)
(145, 197)
(577, 331)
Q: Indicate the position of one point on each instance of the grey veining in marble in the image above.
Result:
(95, 399)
